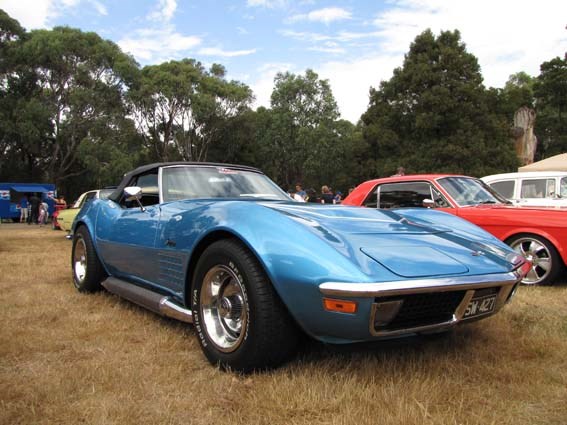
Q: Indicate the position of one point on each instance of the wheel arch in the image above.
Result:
(201, 246)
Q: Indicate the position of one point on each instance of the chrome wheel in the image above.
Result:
(538, 253)
(80, 260)
(224, 308)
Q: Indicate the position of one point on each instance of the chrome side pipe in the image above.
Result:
(157, 303)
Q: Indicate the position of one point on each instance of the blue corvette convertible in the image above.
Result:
(222, 247)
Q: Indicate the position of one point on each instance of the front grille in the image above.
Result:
(423, 309)
(486, 291)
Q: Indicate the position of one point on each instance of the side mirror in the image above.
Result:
(428, 203)
(134, 193)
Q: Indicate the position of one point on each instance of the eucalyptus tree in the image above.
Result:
(298, 135)
(18, 107)
(434, 114)
(79, 80)
(181, 108)
(551, 103)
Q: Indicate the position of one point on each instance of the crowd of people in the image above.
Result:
(34, 208)
(326, 196)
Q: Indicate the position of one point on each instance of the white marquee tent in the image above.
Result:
(553, 163)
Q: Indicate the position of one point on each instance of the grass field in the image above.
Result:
(69, 358)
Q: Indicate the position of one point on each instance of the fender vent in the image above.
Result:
(171, 270)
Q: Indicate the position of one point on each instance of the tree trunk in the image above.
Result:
(525, 140)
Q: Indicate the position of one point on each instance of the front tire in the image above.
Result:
(546, 263)
(241, 323)
(88, 272)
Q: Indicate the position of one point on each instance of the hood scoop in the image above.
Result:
(416, 261)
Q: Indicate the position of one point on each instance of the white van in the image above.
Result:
(533, 188)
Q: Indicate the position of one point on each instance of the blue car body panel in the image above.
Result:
(300, 246)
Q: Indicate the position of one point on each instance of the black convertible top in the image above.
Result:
(117, 194)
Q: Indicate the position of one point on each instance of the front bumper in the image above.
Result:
(426, 305)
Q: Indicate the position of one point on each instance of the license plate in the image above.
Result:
(480, 306)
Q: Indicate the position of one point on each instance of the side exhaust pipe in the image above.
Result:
(157, 303)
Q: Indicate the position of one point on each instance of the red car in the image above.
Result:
(540, 234)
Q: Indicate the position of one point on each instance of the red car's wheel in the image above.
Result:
(546, 263)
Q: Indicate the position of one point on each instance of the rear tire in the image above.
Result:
(241, 323)
(88, 272)
(546, 262)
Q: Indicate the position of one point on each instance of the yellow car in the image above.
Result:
(63, 219)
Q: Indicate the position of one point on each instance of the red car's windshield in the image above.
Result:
(467, 191)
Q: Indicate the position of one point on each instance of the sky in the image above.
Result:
(355, 44)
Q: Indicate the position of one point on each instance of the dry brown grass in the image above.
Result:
(68, 358)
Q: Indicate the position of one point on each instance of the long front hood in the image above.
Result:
(404, 247)
(353, 220)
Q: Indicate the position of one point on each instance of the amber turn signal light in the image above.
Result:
(339, 306)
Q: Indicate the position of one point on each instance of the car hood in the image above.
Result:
(403, 246)
(353, 220)
(519, 207)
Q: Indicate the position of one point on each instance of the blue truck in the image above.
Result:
(12, 193)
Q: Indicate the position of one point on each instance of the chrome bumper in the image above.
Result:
(382, 313)
(402, 287)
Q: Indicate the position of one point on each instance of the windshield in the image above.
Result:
(468, 191)
(190, 182)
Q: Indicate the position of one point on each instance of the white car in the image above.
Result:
(532, 188)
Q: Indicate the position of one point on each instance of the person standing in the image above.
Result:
(43, 208)
(326, 195)
(299, 191)
(24, 209)
(400, 171)
(338, 197)
(311, 196)
(34, 203)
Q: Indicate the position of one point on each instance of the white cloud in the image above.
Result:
(351, 81)
(33, 14)
(164, 10)
(153, 44)
(342, 36)
(506, 37)
(327, 49)
(215, 51)
(99, 7)
(30, 13)
(325, 15)
(270, 4)
(70, 3)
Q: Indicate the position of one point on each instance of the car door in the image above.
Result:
(126, 235)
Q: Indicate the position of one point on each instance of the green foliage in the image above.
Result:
(79, 80)
(300, 139)
(551, 99)
(75, 110)
(433, 114)
(519, 90)
(182, 109)
(10, 29)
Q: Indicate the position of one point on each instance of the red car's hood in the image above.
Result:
(517, 207)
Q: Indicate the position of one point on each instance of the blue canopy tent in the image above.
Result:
(11, 193)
